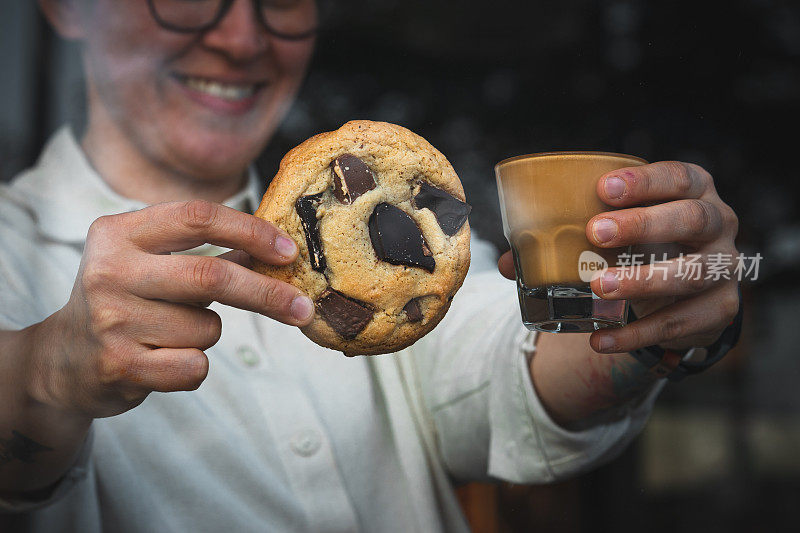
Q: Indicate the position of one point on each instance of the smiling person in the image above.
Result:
(283, 435)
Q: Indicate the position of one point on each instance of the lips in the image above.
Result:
(222, 96)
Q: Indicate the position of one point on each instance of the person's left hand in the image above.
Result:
(665, 202)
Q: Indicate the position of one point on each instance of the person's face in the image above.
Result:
(202, 104)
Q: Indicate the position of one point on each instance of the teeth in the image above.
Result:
(220, 90)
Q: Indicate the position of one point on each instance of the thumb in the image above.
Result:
(506, 265)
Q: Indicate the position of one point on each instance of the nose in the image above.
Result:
(239, 35)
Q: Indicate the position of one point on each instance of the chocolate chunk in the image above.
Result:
(306, 207)
(397, 239)
(347, 316)
(451, 213)
(413, 312)
(351, 178)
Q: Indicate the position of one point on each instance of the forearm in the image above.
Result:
(575, 383)
(38, 442)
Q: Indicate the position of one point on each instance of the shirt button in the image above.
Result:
(248, 356)
(306, 442)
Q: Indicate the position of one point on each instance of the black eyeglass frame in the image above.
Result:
(225, 5)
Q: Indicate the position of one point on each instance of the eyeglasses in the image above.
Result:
(287, 19)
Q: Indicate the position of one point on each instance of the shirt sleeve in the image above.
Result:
(20, 306)
(526, 445)
(489, 421)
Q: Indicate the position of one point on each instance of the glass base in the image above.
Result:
(569, 309)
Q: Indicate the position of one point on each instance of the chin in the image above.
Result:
(215, 155)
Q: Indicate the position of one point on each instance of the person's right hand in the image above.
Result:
(136, 320)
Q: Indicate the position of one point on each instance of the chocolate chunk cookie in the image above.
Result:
(381, 222)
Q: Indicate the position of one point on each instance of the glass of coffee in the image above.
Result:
(546, 200)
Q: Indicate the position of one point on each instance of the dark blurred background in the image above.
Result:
(714, 83)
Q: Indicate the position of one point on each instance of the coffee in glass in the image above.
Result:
(546, 200)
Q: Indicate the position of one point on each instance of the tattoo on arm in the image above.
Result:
(630, 378)
(21, 448)
(607, 383)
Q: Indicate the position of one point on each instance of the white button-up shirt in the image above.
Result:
(284, 435)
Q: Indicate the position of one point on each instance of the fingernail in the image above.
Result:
(285, 246)
(604, 229)
(302, 307)
(605, 343)
(614, 187)
(609, 282)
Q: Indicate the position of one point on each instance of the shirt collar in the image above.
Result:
(67, 194)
